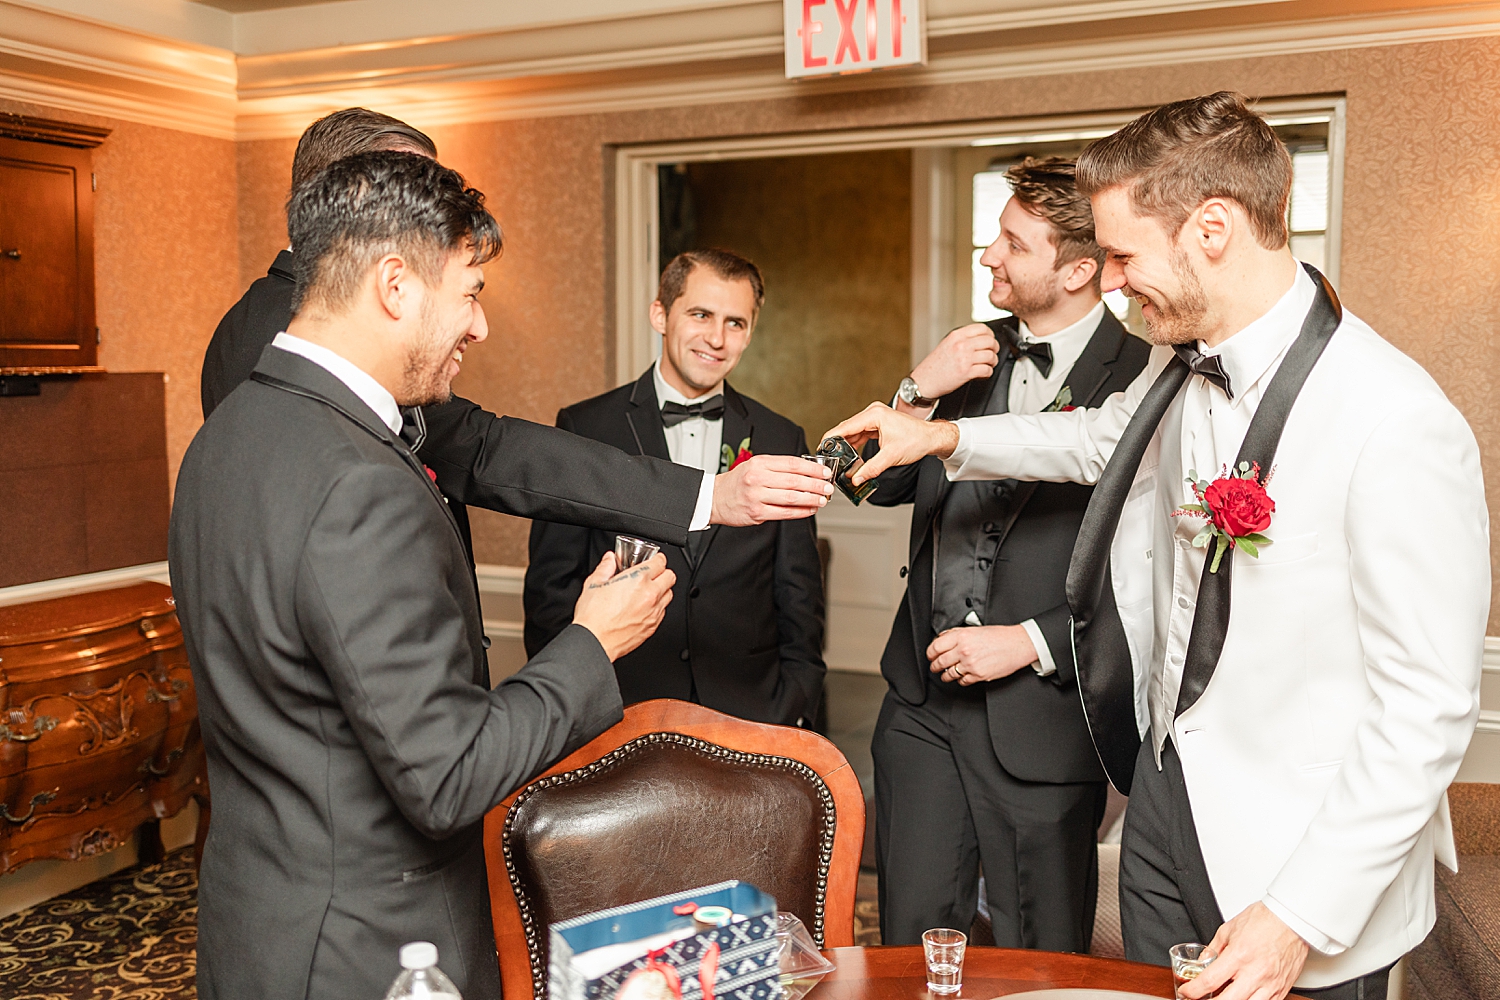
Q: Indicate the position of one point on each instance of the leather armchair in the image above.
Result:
(675, 796)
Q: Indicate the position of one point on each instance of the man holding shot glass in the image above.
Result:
(744, 631)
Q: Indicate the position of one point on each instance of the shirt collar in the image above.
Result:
(370, 392)
(1069, 342)
(1249, 354)
(666, 394)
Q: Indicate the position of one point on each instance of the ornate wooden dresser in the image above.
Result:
(98, 724)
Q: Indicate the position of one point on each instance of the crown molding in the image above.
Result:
(641, 55)
(459, 102)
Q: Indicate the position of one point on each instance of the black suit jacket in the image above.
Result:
(354, 746)
(745, 626)
(513, 466)
(1037, 724)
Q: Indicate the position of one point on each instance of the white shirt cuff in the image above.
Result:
(1316, 939)
(955, 462)
(705, 508)
(1044, 666)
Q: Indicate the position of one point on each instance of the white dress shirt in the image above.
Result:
(370, 392)
(1030, 392)
(695, 442)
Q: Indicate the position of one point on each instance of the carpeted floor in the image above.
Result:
(132, 936)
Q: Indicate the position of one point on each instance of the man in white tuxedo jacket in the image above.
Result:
(1286, 730)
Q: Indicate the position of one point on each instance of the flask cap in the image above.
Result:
(418, 955)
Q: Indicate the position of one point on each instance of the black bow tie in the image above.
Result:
(1040, 354)
(1208, 366)
(712, 408)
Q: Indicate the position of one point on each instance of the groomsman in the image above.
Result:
(1288, 710)
(982, 754)
(744, 634)
(513, 466)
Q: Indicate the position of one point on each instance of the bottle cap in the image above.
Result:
(418, 955)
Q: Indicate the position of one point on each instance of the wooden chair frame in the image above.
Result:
(669, 716)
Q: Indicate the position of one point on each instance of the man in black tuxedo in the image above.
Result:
(513, 466)
(745, 633)
(330, 616)
(982, 753)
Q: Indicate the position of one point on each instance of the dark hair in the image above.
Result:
(1177, 157)
(725, 263)
(1046, 186)
(363, 207)
(350, 131)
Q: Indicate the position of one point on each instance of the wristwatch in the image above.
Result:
(912, 396)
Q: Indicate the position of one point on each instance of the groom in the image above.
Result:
(1287, 717)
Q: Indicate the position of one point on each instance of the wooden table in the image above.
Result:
(900, 973)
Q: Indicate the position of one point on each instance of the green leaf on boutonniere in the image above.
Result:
(1196, 508)
(1202, 537)
(1244, 542)
(1259, 540)
(1063, 399)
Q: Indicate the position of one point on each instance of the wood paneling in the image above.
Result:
(83, 477)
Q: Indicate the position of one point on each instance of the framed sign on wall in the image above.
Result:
(833, 37)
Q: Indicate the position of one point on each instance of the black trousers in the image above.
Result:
(1165, 894)
(944, 806)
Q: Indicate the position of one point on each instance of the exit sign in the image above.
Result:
(827, 37)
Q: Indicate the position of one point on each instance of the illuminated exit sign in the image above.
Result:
(827, 37)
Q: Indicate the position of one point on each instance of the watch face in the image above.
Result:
(908, 391)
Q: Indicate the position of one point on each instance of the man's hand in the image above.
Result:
(770, 488)
(967, 353)
(903, 440)
(974, 654)
(1257, 955)
(623, 610)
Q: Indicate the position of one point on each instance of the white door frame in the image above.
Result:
(636, 235)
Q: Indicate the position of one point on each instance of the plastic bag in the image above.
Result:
(802, 965)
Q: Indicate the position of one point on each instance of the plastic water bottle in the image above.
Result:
(420, 977)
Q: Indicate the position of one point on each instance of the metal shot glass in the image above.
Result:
(944, 950)
(1188, 962)
(629, 551)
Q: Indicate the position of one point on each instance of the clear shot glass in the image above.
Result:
(944, 948)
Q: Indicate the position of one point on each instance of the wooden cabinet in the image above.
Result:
(46, 247)
(98, 722)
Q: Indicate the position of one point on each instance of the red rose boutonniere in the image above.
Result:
(1238, 510)
(730, 457)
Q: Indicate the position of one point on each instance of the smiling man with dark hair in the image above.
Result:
(331, 620)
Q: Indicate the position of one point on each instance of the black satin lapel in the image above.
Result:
(1091, 370)
(1106, 675)
(1211, 615)
(643, 413)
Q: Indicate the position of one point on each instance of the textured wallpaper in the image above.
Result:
(165, 255)
(1421, 203)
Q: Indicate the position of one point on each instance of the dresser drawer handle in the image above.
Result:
(12, 254)
(43, 724)
(39, 799)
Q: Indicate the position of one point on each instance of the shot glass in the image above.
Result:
(944, 948)
(830, 462)
(629, 551)
(1188, 963)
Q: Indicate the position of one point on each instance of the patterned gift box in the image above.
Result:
(747, 963)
